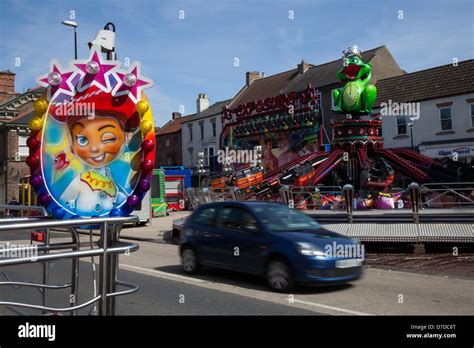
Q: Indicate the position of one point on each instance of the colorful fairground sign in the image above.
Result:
(92, 143)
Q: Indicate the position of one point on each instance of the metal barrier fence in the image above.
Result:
(447, 195)
(316, 197)
(4, 208)
(108, 249)
(197, 196)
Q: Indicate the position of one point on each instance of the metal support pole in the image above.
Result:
(349, 198)
(44, 292)
(75, 43)
(285, 194)
(415, 200)
(103, 281)
(74, 270)
(113, 266)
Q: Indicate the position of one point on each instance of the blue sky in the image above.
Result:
(196, 54)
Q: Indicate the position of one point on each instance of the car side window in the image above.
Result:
(237, 219)
(206, 217)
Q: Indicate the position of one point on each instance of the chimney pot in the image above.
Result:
(303, 67)
(251, 76)
(202, 102)
(7, 84)
(176, 115)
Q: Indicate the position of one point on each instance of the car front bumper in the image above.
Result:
(324, 271)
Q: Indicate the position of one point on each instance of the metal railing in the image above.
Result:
(317, 197)
(108, 249)
(22, 208)
(447, 195)
(197, 196)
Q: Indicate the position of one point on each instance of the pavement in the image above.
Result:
(156, 230)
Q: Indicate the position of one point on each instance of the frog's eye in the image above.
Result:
(108, 138)
(82, 140)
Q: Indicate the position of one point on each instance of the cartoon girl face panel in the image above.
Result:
(92, 141)
(92, 161)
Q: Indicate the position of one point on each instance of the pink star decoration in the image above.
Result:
(63, 80)
(99, 77)
(131, 82)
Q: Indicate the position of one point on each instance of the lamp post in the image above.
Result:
(200, 166)
(74, 25)
(410, 124)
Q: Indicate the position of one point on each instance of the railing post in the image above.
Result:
(285, 194)
(415, 200)
(236, 194)
(349, 199)
(103, 270)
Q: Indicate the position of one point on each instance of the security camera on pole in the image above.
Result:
(105, 39)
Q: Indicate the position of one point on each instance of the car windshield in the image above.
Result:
(280, 218)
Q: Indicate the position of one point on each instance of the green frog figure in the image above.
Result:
(357, 97)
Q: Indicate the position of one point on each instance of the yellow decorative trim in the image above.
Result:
(98, 182)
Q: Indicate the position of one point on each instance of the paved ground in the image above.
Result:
(157, 296)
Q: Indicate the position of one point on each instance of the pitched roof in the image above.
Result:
(171, 126)
(213, 110)
(264, 87)
(325, 74)
(23, 118)
(289, 81)
(438, 82)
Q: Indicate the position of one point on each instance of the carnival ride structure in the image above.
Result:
(357, 153)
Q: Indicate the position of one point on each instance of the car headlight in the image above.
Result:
(309, 249)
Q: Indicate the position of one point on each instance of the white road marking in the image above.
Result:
(160, 273)
(337, 309)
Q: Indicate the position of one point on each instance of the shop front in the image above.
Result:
(462, 151)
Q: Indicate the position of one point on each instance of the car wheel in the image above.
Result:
(189, 261)
(279, 276)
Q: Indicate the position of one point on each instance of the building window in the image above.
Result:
(214, 128)
(472, 114)
(445, 118)
(167, 142)
(201, 130)
(401, 125)
(22, 147)
(190, 126)
(190, 152)
(208, 154)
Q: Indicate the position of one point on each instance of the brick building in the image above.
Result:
(16, 109)
(168, 142)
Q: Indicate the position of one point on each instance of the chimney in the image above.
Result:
(7, 84)
(175, 115)
(202, 102)
(251, 76)
(302, 67)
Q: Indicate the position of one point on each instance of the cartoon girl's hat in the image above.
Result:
(96, 85)
(96, 102)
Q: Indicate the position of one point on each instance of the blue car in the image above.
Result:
(269, 239)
